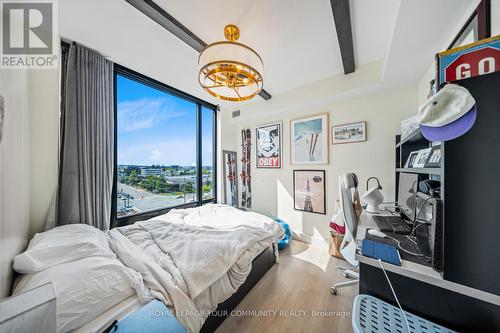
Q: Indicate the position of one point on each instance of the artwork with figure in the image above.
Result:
(269, 146)
(309, 138)
(349, 133)
(309, 191)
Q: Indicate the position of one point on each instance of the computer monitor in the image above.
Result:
(407, 194)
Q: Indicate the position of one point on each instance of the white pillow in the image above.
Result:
(84, 288)
(62, 244)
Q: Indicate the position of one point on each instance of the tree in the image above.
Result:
(132, 179)
(150, 181)
(188, 187)
(206, 188)
(161, 185)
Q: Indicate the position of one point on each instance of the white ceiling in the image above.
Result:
(296, 38)
(422, 29)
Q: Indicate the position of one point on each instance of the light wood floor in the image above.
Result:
(300, 282)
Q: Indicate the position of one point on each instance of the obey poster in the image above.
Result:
(268, 138)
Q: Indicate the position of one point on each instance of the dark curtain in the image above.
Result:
(87, 138)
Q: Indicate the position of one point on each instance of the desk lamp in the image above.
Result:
(373, 198)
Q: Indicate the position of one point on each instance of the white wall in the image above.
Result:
(44, 146)
(423, 86)
(14, 172)
(272, 189)
(28, 160)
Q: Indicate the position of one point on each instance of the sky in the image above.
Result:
(157, 128)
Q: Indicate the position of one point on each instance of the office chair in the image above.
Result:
(348, 193)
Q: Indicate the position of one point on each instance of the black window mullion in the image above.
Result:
(214, 154)
(199, 154)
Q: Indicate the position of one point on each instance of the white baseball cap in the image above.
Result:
(448, 114)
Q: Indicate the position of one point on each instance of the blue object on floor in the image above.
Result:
(153, 317)
(371, 315)
(282, 243)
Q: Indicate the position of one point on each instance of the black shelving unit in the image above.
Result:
(414, 142)
(469, 190)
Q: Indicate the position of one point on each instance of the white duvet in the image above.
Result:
(198, 248)
(191, 259)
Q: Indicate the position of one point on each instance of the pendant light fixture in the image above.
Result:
(229, 70)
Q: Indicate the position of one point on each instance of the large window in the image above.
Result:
(165, 148)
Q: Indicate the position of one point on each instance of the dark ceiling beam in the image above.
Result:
(160, 16)
(342, 18)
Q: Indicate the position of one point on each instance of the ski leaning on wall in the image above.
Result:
(246, 189)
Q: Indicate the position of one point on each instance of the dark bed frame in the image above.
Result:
(260, 265)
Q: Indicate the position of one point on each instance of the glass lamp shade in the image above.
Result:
(230, 71)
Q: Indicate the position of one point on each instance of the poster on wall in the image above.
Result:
(479, 58)
(309, 140)
(349, 133)
(309, 191)
(268, 146)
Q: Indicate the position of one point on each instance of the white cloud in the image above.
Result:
(178, 152)
(144, 113)
(155, 155)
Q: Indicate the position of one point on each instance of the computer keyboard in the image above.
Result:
(393, 224)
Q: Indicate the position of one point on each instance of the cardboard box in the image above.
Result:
(335, 241)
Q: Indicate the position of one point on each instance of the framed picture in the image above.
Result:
(408, 127)
(349, 133)
(421, 158)
(309, 140)
(411, 159)
(268, 145)
(309, 190)
(434, 158)
(230, 178)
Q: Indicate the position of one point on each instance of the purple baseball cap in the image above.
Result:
(447, 115)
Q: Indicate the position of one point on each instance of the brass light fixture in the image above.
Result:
(229, 70)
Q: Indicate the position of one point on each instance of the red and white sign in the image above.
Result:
(270, 162)
(477, 62)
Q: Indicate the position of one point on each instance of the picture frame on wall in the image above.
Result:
(434, 158)
(421, 158)
(309, 140)
(230, 174)
(349, 133)
(410, 161)
(268, 146)
(309, 191)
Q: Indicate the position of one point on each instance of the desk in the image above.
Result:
(423, 291)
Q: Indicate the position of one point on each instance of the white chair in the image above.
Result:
(348, 193)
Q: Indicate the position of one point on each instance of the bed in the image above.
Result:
(194, 260)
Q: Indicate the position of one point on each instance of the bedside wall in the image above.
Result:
(272, 190)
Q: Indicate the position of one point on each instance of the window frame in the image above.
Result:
(483, 15)
(143, 79)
